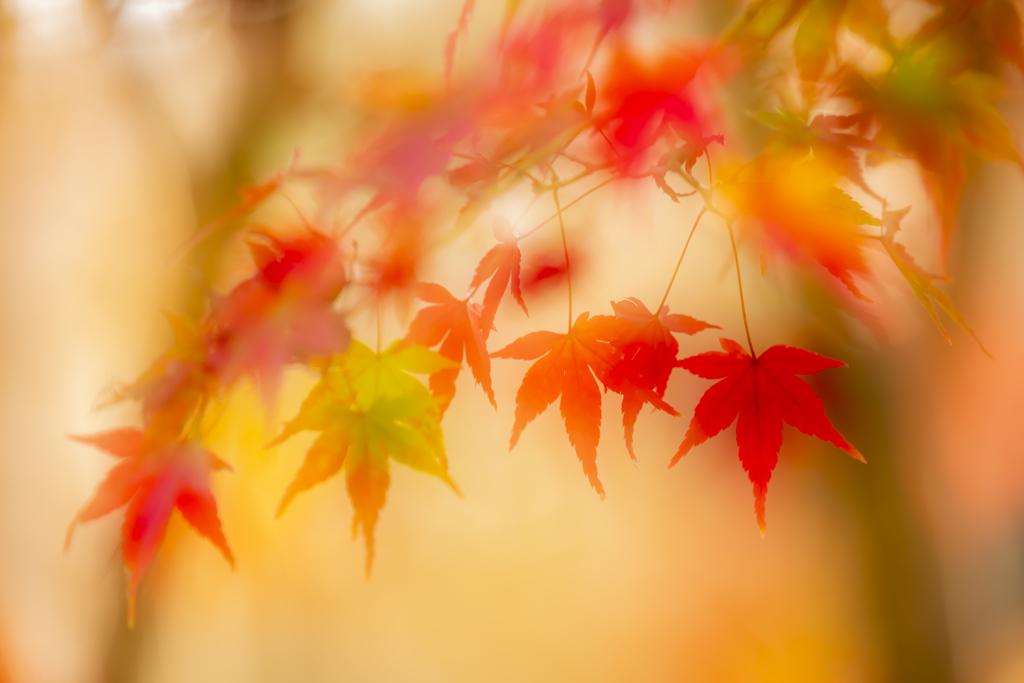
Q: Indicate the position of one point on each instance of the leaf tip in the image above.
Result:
(760, 491)
(69, 534)
(455, 487)
(684, 448)
(286, 501)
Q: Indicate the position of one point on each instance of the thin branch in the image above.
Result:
(302, 216)
(572, 203)
(680, 261)
(565, 244)
(512, 168)
(704, 190)
(739, 281)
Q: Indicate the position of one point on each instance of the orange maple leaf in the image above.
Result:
(503, 265)
(455, 324)
(567, 366)
(797, 205)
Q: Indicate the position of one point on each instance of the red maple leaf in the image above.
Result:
(646, 354)
(455, 324)
(502, 264)
(153, 480)
(281, 314)
(763, 392)
(567, 366)
(646, 100)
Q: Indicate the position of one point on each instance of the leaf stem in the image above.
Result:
(739, 281)
(680, 261)
(704, 190)
(378, 327)
(302, 216)
(376, 364)
(565, 244)
(553, 216)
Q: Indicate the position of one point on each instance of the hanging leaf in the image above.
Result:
(152, 481)
(759, 394)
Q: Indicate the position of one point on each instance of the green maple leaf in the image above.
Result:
(921, 282)
(369, 411)
(818, 22)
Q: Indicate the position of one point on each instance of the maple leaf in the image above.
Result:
(454, 324)
(822, 138)
(646, 353)
(153, 479)
(369, 410)
(534, 53)
(938, 115)
(814, 44)
(798, 206)
(394, 266)
(474, 175)
(985, 31)
(759, 393)
(283, 313)
(397, 162)
(921, 282)
(644, 100)
(567, 366)
(685, 156)
(539, 134)
(502, 264)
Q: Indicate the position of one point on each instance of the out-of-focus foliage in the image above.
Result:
(564, 99)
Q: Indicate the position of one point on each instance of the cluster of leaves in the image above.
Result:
(538, 116)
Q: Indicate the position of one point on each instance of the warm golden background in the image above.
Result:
(123, 125)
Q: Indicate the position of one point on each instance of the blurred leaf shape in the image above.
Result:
(798, 207)
(370, 410)
(937, 114)
(153, 478)
(921, 282)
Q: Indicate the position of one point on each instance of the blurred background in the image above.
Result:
(126, 124)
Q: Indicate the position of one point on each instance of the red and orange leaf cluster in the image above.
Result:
(630, 354)
(562, 102)
(646, 352)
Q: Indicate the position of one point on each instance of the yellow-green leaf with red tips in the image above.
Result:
(369, 410)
